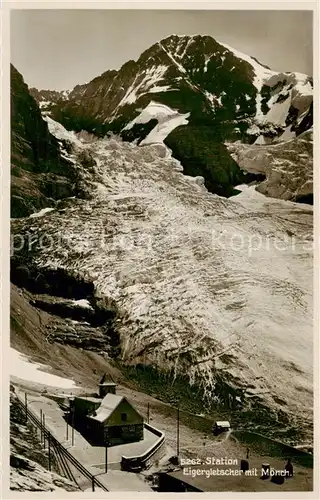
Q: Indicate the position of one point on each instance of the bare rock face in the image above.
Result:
(40, 174)
(288, 166)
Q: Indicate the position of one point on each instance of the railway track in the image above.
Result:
(66, 462)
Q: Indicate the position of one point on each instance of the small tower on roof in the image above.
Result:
(106, 386)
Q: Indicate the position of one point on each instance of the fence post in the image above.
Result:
(67, 427)
(72, 428)
(41, 429)
(44, 431)
(148, 413)
(92, 483)
(178, 432)
(49, 451)
(26, 406)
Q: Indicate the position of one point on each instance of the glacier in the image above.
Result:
(208, 287)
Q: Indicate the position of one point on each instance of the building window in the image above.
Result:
(123, 417)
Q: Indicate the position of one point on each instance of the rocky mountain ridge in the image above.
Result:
(287, 166)
(195, 95)
(211, 81)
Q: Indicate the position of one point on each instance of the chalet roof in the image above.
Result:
(89, 398)
(108, 404)
(106, 380)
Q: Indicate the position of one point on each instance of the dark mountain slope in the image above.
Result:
(202, 155)
(39, 174)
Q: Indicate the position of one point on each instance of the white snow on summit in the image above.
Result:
(301, 92)
(176, 63)
(302, 83)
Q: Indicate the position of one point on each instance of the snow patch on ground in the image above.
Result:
(248, 192)
(168, 120)
(58, 131)
(156, 89)
(42, 104)
(153, 110)
(24, 369)
(82, 303)
(42, 212)
(37, 479)
(211, 99)
(260, 140)
(162, 130)
(278, 110)
(253, 129)
(206, 62)
(287, 134)
(219, 100)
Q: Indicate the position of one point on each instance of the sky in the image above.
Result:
(58, 49)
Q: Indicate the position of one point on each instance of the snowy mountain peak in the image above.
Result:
(209, 82)
(262, 73)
